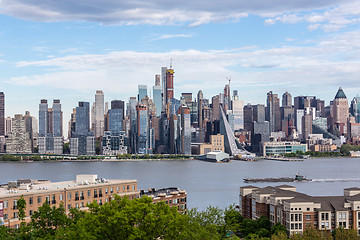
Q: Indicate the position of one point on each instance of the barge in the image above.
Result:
(297, 178)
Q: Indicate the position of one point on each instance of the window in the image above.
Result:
(123, 188)
(128, 187)
(308, 209)
(111, 190)
(17, 226)
(100, 202)
(76, 196)
(95, 193)
(134, 187)
(100, 192)
(39, 199)
(53, 200)
(47, 199)
(61, 197)
(69, 195)
(308, 217)
(77, 205)
(89, 193)
(6, 204)
(31, 212)
(82, 195)
(15, 204)
(106, 190)
(5, 216)
(15, 214)
(118, 188)
(31, 200)
(69, 206)
(82, 204)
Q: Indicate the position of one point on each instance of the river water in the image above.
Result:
(215, 184)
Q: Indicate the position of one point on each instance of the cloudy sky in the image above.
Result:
(68, 49)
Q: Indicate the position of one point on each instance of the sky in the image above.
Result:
(67, 49)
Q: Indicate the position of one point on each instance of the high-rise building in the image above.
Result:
(157, 97)
(99, 113)
(273, 114)
(82, 141)
(118, 104)
(227, 98)
(185, 130)
(142, 129)
(286, 100)
(248, 117)
(200, 97)
(43, 118)
(215, 105)
(57, 119)
(340, 112)
(238, 111)
(355, 108)
(8, 121)
(142, 92)
(259, 113)
(18, 140)
(115, 120)
(2, 114)
(169, 87)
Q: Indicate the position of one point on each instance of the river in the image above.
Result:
(215, 184)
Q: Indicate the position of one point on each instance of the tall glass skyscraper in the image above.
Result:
(57, 119)
(115, 120)
(2, 114)
(43, 118)
(142, 128)
(99, 113)
(142, 92)
(157, 99)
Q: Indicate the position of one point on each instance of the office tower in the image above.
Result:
(142, 128)
(286, 100)
(237, 107)
(29, 128)
(340, 111)
(163, 80)
(320, 108)
(43, 118)
(260, 134)
(99, 113)
(131, 112)
(215, 105)
(200, 97)
(299, 121)
(8, 121)
(273, 112)
(115, 120)
(248, 117)
(18, 140)
(355, 108)
(185, 130)
(307, 120)
(2, 114)
(259, 113)
(157, 97)
(118, 104)
(57, 119)
(142, 92)
(82, 141)
(227, 98)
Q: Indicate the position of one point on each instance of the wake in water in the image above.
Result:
(337, 180)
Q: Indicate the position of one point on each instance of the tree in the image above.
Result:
(66, 148)
(277, 229)
(97, 147)
(21, 204)
(233, 220)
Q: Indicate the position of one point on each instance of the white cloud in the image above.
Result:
(329, 63)
(167, 36)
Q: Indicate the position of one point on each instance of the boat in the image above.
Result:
(298, 178)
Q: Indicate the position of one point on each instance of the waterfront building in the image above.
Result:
(72, 194)
(298, 211)
(82, 141)
(216, 144)
(174, 197)
(185, 130)
(8, 125)
(142, 129)
(50, 138)
(18, 140)
(99, 114)
(276, 148)
(114, 143)
(2, 114)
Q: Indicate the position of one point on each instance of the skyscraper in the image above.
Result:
(157, 95)
(43, 118)
(355, 108)
(273, 114)
(169, 86)
(340, 111)
(2, 114)
(99, 113)
(57, 119)
(185, 130)
(142, 129)
(200, 97)
(286, 99)
(18, 140)
(142, 92)
(237, 107)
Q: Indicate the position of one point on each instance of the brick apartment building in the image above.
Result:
(298, 211)
(174, 197)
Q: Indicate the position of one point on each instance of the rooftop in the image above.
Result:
(340, 94)
(31, 186)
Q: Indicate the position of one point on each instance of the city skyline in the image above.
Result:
(67, 52)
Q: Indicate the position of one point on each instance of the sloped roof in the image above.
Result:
(340, 94)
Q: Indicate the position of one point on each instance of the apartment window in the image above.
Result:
(31, 201)
(39, 199)
(15, 214)
(100, 192)
(106, 190)
(100, 202)
(89, 193)
(31, 212)
(128, 187)
(17, 226)
(53, 200)
(106, 200)
(61, 197)
(300, 225)
(95, 193)
(69, 195)
(69, 206)
(6, 204)
(82, 195)
(134, 187)
(296, 218)
(170, 201)
(123, 188)
(292, 217)
(292, 226)
(76, 196)
(308, 217)
(77, 205)
(111, 190)
(15, 204)
(5, 216)
(82, 204)
(118, 188)
(47, 199)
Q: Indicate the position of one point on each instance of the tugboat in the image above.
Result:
(301, 178)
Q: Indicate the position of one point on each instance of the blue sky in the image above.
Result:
(68, 49)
